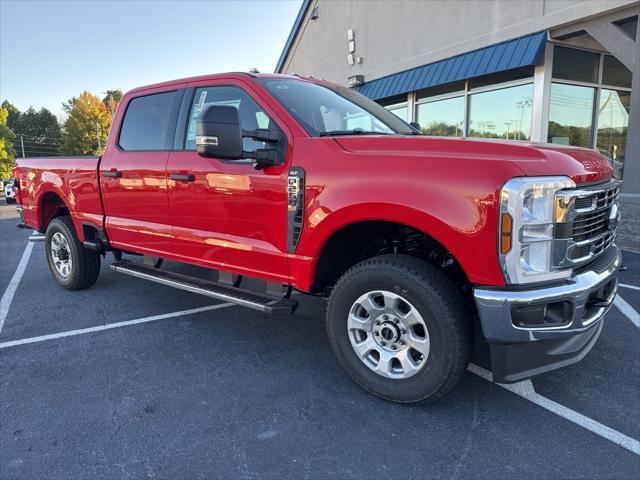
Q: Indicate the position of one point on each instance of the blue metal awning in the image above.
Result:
(519, 52)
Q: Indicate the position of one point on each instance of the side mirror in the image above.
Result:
(218, 133)
(416, 125)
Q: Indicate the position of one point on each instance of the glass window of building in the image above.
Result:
(397, 105)
(400, 111)
(504, 113)
(502, 77)
(613, 122)
(576, 65)
(614, 73)
(445, 89)
(443, 118)
(629, 26)
(571, 115)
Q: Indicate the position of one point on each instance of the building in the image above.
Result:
(555, 71)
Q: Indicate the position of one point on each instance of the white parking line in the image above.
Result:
(525, 390)
(626, 285)
(7, 296)
(110, 326)
(627, 310)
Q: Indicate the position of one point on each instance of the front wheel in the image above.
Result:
(72, 265)
(400, 328)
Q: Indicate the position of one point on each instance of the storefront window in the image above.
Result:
(576, 65)
(613, 122)
(504, 113)
(400, 111)
(615, 73)
(444, 118)
(571, 115)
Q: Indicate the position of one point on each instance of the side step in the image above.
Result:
(245, 298)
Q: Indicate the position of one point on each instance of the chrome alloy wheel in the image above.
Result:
(60, 253)
(388, 334)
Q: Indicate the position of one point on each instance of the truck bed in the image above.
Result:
(73, 180)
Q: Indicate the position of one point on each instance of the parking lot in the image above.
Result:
(130, 379)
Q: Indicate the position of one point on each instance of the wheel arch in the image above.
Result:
(50, 206)
(350, 237)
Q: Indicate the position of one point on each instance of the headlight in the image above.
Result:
(526, 228)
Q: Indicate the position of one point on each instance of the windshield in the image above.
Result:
(333, 110)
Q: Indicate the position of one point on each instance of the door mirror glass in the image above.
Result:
(218, 133)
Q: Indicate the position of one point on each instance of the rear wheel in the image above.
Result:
(400, 328)
(72, 265)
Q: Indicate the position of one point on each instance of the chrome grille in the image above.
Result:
(586, 227)
(591, 225)
(597, 208)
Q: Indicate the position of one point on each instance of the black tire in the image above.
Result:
(443, 308)
(85, 263)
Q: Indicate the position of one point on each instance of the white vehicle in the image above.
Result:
(9, 192)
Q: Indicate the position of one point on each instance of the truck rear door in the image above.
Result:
(226, 214)
(133, 172)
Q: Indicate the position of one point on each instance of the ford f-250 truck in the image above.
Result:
(425, 247)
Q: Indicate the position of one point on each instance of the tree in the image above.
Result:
(7, 154)
(39, 131)
(14, 114)
(112, 99)
(88, 119)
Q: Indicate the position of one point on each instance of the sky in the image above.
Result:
(52, 50)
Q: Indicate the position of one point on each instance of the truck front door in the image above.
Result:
(226, 214)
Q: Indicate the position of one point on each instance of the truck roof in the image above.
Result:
(214, 76)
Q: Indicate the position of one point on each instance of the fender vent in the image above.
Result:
(295, 199)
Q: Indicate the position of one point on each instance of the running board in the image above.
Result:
(257, 301)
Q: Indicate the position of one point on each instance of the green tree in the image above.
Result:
(39, 131)
(14, 114)
(7, 154)
(112, 100)
(86, 127)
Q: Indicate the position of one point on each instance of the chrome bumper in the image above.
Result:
(518, 351)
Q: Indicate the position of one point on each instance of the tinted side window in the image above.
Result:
(146, 122)
(251, 115)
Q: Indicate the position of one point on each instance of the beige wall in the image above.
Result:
(392, 36)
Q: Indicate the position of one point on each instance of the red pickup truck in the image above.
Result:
(427, 248)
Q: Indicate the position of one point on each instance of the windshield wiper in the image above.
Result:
(355, 131)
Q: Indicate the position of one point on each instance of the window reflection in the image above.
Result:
(577, 65)
(613, 122)
(504, 113)
(615, 73)
(443, 118)
(400, 111)
(571, 115)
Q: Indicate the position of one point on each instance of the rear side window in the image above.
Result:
(146, 122)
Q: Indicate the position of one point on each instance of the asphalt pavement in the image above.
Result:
(130, 379)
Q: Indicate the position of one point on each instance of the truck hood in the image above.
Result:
(532, 159)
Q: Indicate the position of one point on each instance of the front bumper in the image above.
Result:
(575, 310)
